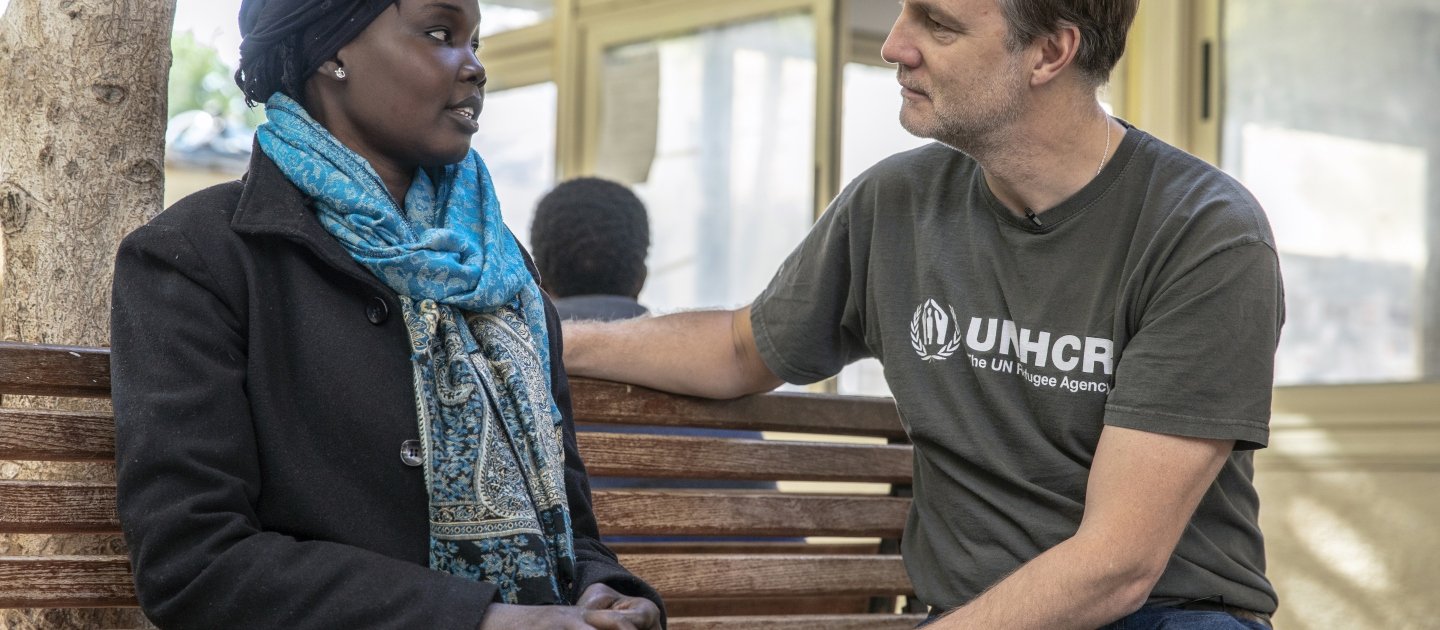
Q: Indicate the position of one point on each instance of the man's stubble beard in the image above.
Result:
(973, 132)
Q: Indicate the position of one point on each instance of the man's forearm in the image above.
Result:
(1076, 584)
(1142, 490)
(701, 353)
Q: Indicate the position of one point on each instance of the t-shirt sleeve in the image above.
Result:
(807, 322)
(1201, 363)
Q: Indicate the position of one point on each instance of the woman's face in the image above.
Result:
(412, 90)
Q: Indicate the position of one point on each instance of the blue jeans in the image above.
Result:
(1166, 618)
(1163, 618)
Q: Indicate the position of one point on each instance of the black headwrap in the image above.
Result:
(286, 40)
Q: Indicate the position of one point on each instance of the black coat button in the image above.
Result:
(377, 311)
(410, 453)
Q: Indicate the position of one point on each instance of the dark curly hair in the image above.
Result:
(286, 40)
(280, 69)
(590, 236)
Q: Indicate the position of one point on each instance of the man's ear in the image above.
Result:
(640, 283)
(1056, 52)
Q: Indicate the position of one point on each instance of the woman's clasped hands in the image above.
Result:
(599, 608)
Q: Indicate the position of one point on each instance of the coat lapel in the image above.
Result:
(271, 205)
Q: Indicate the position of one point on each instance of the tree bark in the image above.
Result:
(81, 165)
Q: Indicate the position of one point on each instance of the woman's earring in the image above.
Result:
(339, 73)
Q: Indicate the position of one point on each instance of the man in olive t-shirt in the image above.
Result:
(1078, 323)
(1010, 343)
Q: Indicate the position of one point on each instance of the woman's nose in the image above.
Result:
(471, 70)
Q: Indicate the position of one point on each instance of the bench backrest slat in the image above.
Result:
(54, 370)
(689, 513)
(703, 575)
(617, 403)
(803, 622)
(65, 582)
(748, 547)
(632, 455)
(46, 435)
(54, 507)
(57, 507)
(85, 372)
(89, 581)
(56, 436)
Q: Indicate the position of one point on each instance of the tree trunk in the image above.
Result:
(82, 124)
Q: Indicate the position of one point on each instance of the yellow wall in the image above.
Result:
(1353, 548)
(1350, 495)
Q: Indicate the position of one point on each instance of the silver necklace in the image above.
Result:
(1106, 152)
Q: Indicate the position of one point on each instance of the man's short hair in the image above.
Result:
(1103, 25)
(590, 236)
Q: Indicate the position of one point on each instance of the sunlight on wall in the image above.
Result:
(1339, 545)
(1337, 606)
(1349, 545)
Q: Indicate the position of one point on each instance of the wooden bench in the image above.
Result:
(784, 584)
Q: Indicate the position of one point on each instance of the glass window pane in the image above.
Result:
(1346, 161)
(870, 131)
(508, 15)
(517, 141)
(715, 132)
(868, 23)
(870, 127)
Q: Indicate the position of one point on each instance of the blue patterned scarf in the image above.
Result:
(490, 428)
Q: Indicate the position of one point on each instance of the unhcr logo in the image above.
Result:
(934, 331)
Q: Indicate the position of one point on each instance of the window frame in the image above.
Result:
(597, 25)
(1171, 76)
(520, 57)
(1167, 83)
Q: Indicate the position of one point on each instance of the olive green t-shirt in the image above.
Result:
(1150, 300)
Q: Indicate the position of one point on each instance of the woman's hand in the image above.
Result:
(600, 608)
(510, 616)
(633, 612)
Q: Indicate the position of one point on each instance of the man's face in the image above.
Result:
(960, 83)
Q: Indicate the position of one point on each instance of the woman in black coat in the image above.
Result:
(338, 392)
